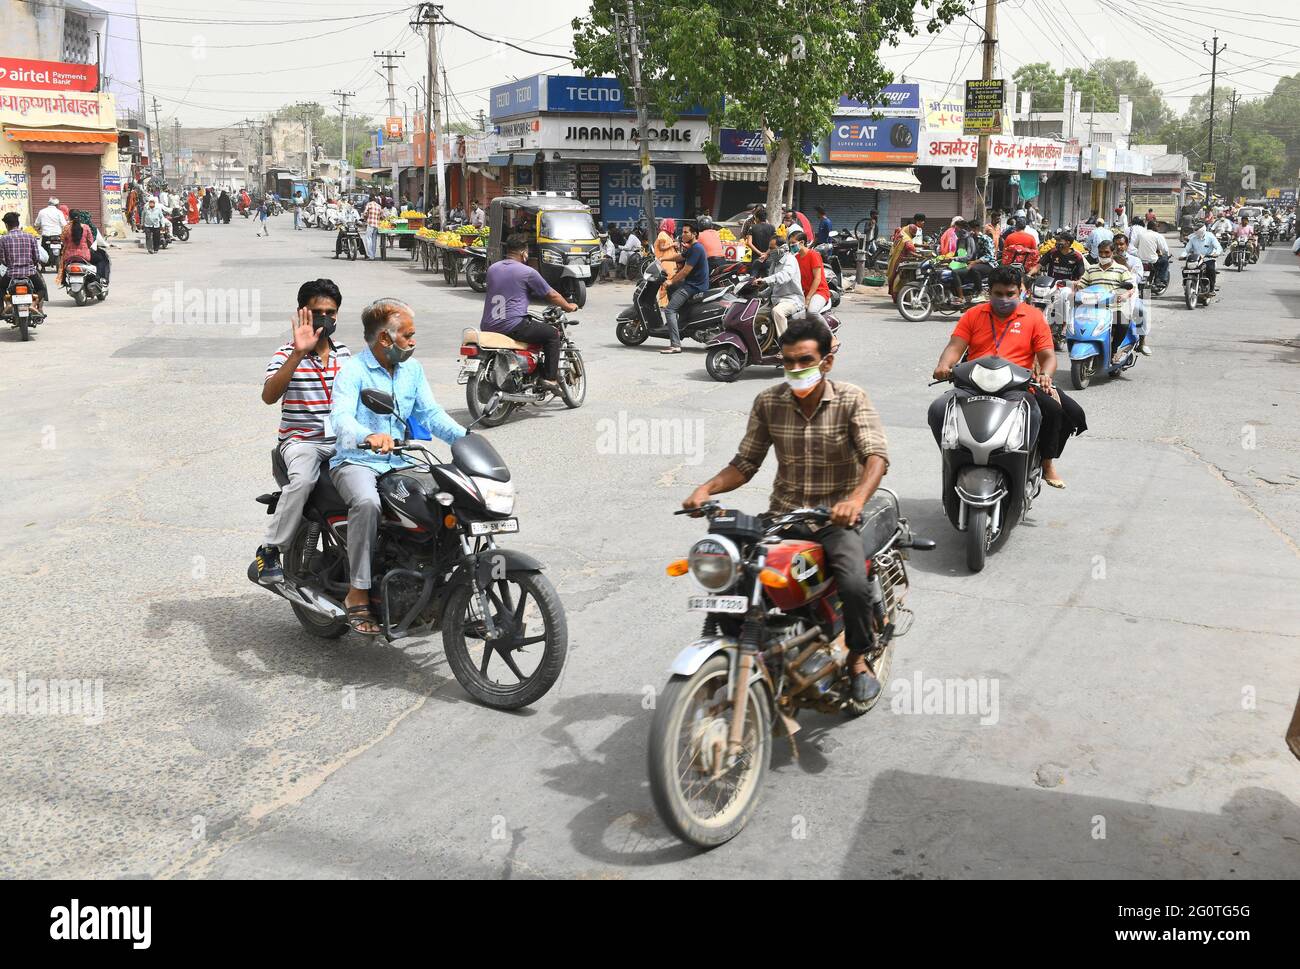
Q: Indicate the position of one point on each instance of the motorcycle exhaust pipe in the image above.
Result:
(305, 596)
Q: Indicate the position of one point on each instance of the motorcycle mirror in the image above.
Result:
(493, 403)
(378, 401)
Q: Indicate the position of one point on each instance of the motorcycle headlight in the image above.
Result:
(714, 563)
(498, 496)
(948, 440)
(991, 379)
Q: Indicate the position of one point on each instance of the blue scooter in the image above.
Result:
(1088, 335)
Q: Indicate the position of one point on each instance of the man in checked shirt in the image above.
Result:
(830, 450)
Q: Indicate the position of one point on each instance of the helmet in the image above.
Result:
(703, 222)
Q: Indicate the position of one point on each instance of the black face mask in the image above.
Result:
(324, 324)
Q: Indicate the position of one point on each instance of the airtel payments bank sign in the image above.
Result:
(18, 72)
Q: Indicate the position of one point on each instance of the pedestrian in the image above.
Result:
(224, 207)
(152, 222)
(263, 210)
(757, 239)
(823, 226)
(372, 214)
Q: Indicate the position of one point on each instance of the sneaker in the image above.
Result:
(269, 571)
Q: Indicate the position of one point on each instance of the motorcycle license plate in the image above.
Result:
(19, 300)
(504, 526)
(466, 371)
(737, 604)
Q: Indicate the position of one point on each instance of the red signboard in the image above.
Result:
(15, 72)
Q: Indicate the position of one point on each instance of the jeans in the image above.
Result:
(677, 298)
(302, 460)
(846, 559)
(531, 331)
(358, 487)
(372, 240)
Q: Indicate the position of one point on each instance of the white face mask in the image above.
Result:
(1105, 261)
(803, 382)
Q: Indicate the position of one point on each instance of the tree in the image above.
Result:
(1101, 86)
(778, 66)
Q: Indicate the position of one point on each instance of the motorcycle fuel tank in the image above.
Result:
(803, 564)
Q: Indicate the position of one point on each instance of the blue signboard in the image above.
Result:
(621, 195)
(855, 139)
(742, 145)
(573, 94)
(896, 101)
(516, 98)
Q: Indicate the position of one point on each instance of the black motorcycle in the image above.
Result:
(180, 229)
(437, 567)
(834, 271)
(19, 307)
(991, 469)
(54, 246)
(935, 289)
(699, 320)
(349, 241)
(1196, 284)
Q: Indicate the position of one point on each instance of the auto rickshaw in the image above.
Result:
(563, 244)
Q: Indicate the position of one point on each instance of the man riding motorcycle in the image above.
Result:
(385, 364)
(810, 414)
(21, 256)
(301, 377)
(1015, 331)
(1204, 243)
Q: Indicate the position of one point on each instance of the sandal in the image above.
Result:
(359, 616)
(671, 350)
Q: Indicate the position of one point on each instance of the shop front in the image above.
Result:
(61, 145)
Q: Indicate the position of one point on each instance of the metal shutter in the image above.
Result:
(76, 180)
(845, 206)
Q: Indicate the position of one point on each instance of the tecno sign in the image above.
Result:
(16, 72)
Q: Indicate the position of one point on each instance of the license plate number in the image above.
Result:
(504, 526)
(466, 371)
(19, 300)
(737, 604)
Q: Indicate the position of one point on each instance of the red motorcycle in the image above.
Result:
(772, 645)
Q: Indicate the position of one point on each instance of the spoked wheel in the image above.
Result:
(915, 303)
(573, 378)
(880, 663)
(977, 539)
(304, 561)
(704, 793)
(1189, 294)
(525, 659)
(631, 333)
(476, 274)
(1081, 372)
(724, 362)
(478, 392)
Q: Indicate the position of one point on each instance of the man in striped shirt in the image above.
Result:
(301, 377)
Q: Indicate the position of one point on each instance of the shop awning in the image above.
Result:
(372, 172)
(881, 179)
(748, 173)
(79, 137)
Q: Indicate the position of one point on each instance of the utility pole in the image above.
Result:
(389, 58)
(982, 159)
(1232, 117)
(642, 122)
(1214, 50)
(176, 144)
(343, 124)
(306, 130)
(430, 16)
(157, 126)
(482, 120)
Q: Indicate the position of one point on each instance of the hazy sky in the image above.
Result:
(211, 64)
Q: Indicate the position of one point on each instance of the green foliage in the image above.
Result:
(1101, 87)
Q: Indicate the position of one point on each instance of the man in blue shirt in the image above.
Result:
(1203, 242)
(823, 227)
(1099, 234)
(385, 364)
(510, 282)
(691, 278)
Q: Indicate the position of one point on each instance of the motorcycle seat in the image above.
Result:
(492, 341)
(879, 522)
(325, 498)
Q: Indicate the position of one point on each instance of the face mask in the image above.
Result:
(803, 382)
(325, 328)
(795, 248)
(395, 354)
(1004, 307)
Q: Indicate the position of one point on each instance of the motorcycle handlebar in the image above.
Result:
(398, 445)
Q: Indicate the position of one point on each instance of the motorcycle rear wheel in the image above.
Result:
(24, 329)
(724, 363)
(477, 394)
(313, 623)
(462, 624)
(977, 541)
(682, 722)
(915, 302)
(79, 297)
(476, 274)
(573, 381)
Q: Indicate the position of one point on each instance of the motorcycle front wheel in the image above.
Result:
(704, 795)
(977, 539)
(476, 274)
(526, 612)
(631, 333)
(915, 302)
(724, 363)
(1081, 372)
(573, 379)
(478, 392)
(1189, 293)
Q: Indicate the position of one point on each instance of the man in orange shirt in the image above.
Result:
(1016, 331)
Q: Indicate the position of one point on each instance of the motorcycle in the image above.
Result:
(1237, 255)
(437, 568)
(54, 246)
(1090, 337)
(748, 337)
(699, 320)
(935, 288)
(82, 282)
(772, 645)
(834, 271)
(19, 309)
(991, 469)
(1196, 284)
(351, 243)
(1045, 294)
(501, 374)
(1154, 281)
(180, 229)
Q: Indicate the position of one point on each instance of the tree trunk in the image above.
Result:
(793, 170)
(778, 161)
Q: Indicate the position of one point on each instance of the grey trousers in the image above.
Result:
(302, 459)
(357, 486)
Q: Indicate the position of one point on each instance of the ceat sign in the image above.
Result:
(15, 72)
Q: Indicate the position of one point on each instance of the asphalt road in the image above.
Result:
(1141, 631)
